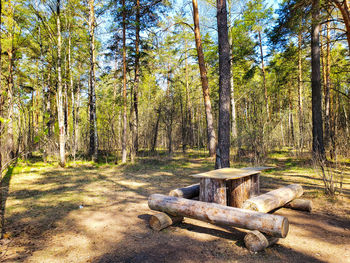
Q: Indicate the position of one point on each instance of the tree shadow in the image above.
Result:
(4, 191)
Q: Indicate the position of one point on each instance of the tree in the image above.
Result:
(124, 142)
(93, 149)
(204, 80)
(60, 115)
(317, 126)
(224, 86)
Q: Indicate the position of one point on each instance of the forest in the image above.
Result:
(85, 80)
(142, 84)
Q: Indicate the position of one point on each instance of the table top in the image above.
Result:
(226, 173)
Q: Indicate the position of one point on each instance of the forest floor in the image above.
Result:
(98, 213)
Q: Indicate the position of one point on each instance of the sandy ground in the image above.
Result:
(109, 223)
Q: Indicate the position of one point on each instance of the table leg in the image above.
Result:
(213, 191)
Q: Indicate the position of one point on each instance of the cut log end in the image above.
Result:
(285, 227)
(160, 221)
(256, 241)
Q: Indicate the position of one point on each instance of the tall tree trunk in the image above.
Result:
(71, 85)
(204, 79)
(317, 128)
(300, 91)
(10, 91)
(93, 150)
(224, 85)
(124, 87)
(10, 88)
(1, 104)
(327, 90)
(290, 118)
(264, 75)
(156, 127)
(137, 76)
(60, 115)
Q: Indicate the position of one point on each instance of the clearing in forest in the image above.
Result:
(98, 213)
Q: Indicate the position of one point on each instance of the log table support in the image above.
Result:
(256, 241)
(160, 221)
(241, 189)
(212, 191)
(300, 204)
(228, 186)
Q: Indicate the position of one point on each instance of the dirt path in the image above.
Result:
(89, 214)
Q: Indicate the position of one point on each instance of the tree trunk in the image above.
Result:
(93, 149)
(290, 118)
(204, 79)
(224, 84)
(264, 76)
(300, 91)
(10, 89)
(10, 93)
(1, 103)
(60, 115)
(155, 133)
(137, 77)
(274, 199)
(219, 214)
(124, 153)
(317, 128)
(327, 90)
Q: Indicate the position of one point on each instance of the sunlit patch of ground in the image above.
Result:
(99, 213)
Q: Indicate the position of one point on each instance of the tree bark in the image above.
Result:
(93, 150)
(156, 127)
(219, 214)
(1, 101)
(10, 89)
(187, 192)
(137, 77)
(327, 89)
(60, 115)
(204, 79)
(124, 153)
(317, 128)
(213, 191)
(300, 91)
(224, 84)
(264, 75)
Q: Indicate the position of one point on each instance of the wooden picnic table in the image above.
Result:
(229, 186)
